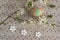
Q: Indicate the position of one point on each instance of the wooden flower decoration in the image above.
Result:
(37, 11)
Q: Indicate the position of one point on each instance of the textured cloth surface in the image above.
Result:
(7, 7)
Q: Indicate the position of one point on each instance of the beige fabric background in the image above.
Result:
(48, 32)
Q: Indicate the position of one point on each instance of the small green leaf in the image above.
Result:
(51, 5)
(16, 18)
(42, 0)
(49, 16)
(30, 4)
(52, 24)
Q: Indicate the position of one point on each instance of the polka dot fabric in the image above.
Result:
(7, 7)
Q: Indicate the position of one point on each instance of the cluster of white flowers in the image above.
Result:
(24, 32)
(31, 20)
(42, 20)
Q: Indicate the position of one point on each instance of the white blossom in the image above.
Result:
(38, 34)
(12, 28)
(23, 32)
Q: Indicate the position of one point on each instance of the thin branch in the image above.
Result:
(8, 17)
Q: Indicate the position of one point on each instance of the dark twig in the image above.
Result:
(8, 17)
